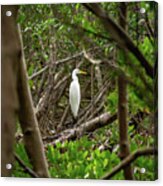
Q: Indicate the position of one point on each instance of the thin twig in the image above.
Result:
(25, 168)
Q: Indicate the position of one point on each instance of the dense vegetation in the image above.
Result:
(58, 38)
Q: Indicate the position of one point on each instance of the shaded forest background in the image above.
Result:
(116, 44)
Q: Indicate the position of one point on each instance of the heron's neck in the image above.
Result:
(74, 76)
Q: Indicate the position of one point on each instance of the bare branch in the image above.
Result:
(129, 159)
(93, 61)
(25, 168)
(63, 117)
(59, 62)
(89, 126)
(38, 73)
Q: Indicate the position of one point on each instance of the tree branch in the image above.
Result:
(59, 62)
(25, 168)
(129, 159)
(89, 126)
(119, 35)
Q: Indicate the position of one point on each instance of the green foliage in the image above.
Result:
(148, 49)
(79, 159)
(134, 101)
(17, 169)
(112, 101)
(148, 164)
(73, 160)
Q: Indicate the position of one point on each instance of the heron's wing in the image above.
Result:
(74, 97)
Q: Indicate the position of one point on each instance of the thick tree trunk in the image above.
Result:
(10, 104)
(16, 99)
(122, 105)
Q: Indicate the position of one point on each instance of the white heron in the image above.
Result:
(74, 92)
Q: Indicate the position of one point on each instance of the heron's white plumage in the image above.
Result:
(74, 92)
(75, 97)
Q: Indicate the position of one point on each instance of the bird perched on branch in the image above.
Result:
(74, 92)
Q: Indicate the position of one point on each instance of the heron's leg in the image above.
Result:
(74, 120)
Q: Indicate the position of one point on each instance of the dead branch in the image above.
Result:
(63, 117)
(93, 61)
(38, 72)
(128, 160)
(87, 111)
(25, 168)
(89, 126)
(59, 62)
(97, 110)
(44, 102)
(114, 67)
(98, 76)
(97, 68)
(41, 87)
(132, 119)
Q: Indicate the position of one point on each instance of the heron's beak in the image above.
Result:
(82, 72)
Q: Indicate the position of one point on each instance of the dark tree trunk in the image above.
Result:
(16, 99)
(122, 104)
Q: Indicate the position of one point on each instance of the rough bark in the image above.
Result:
(122, 105)
(9, 100)
(16, 99)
